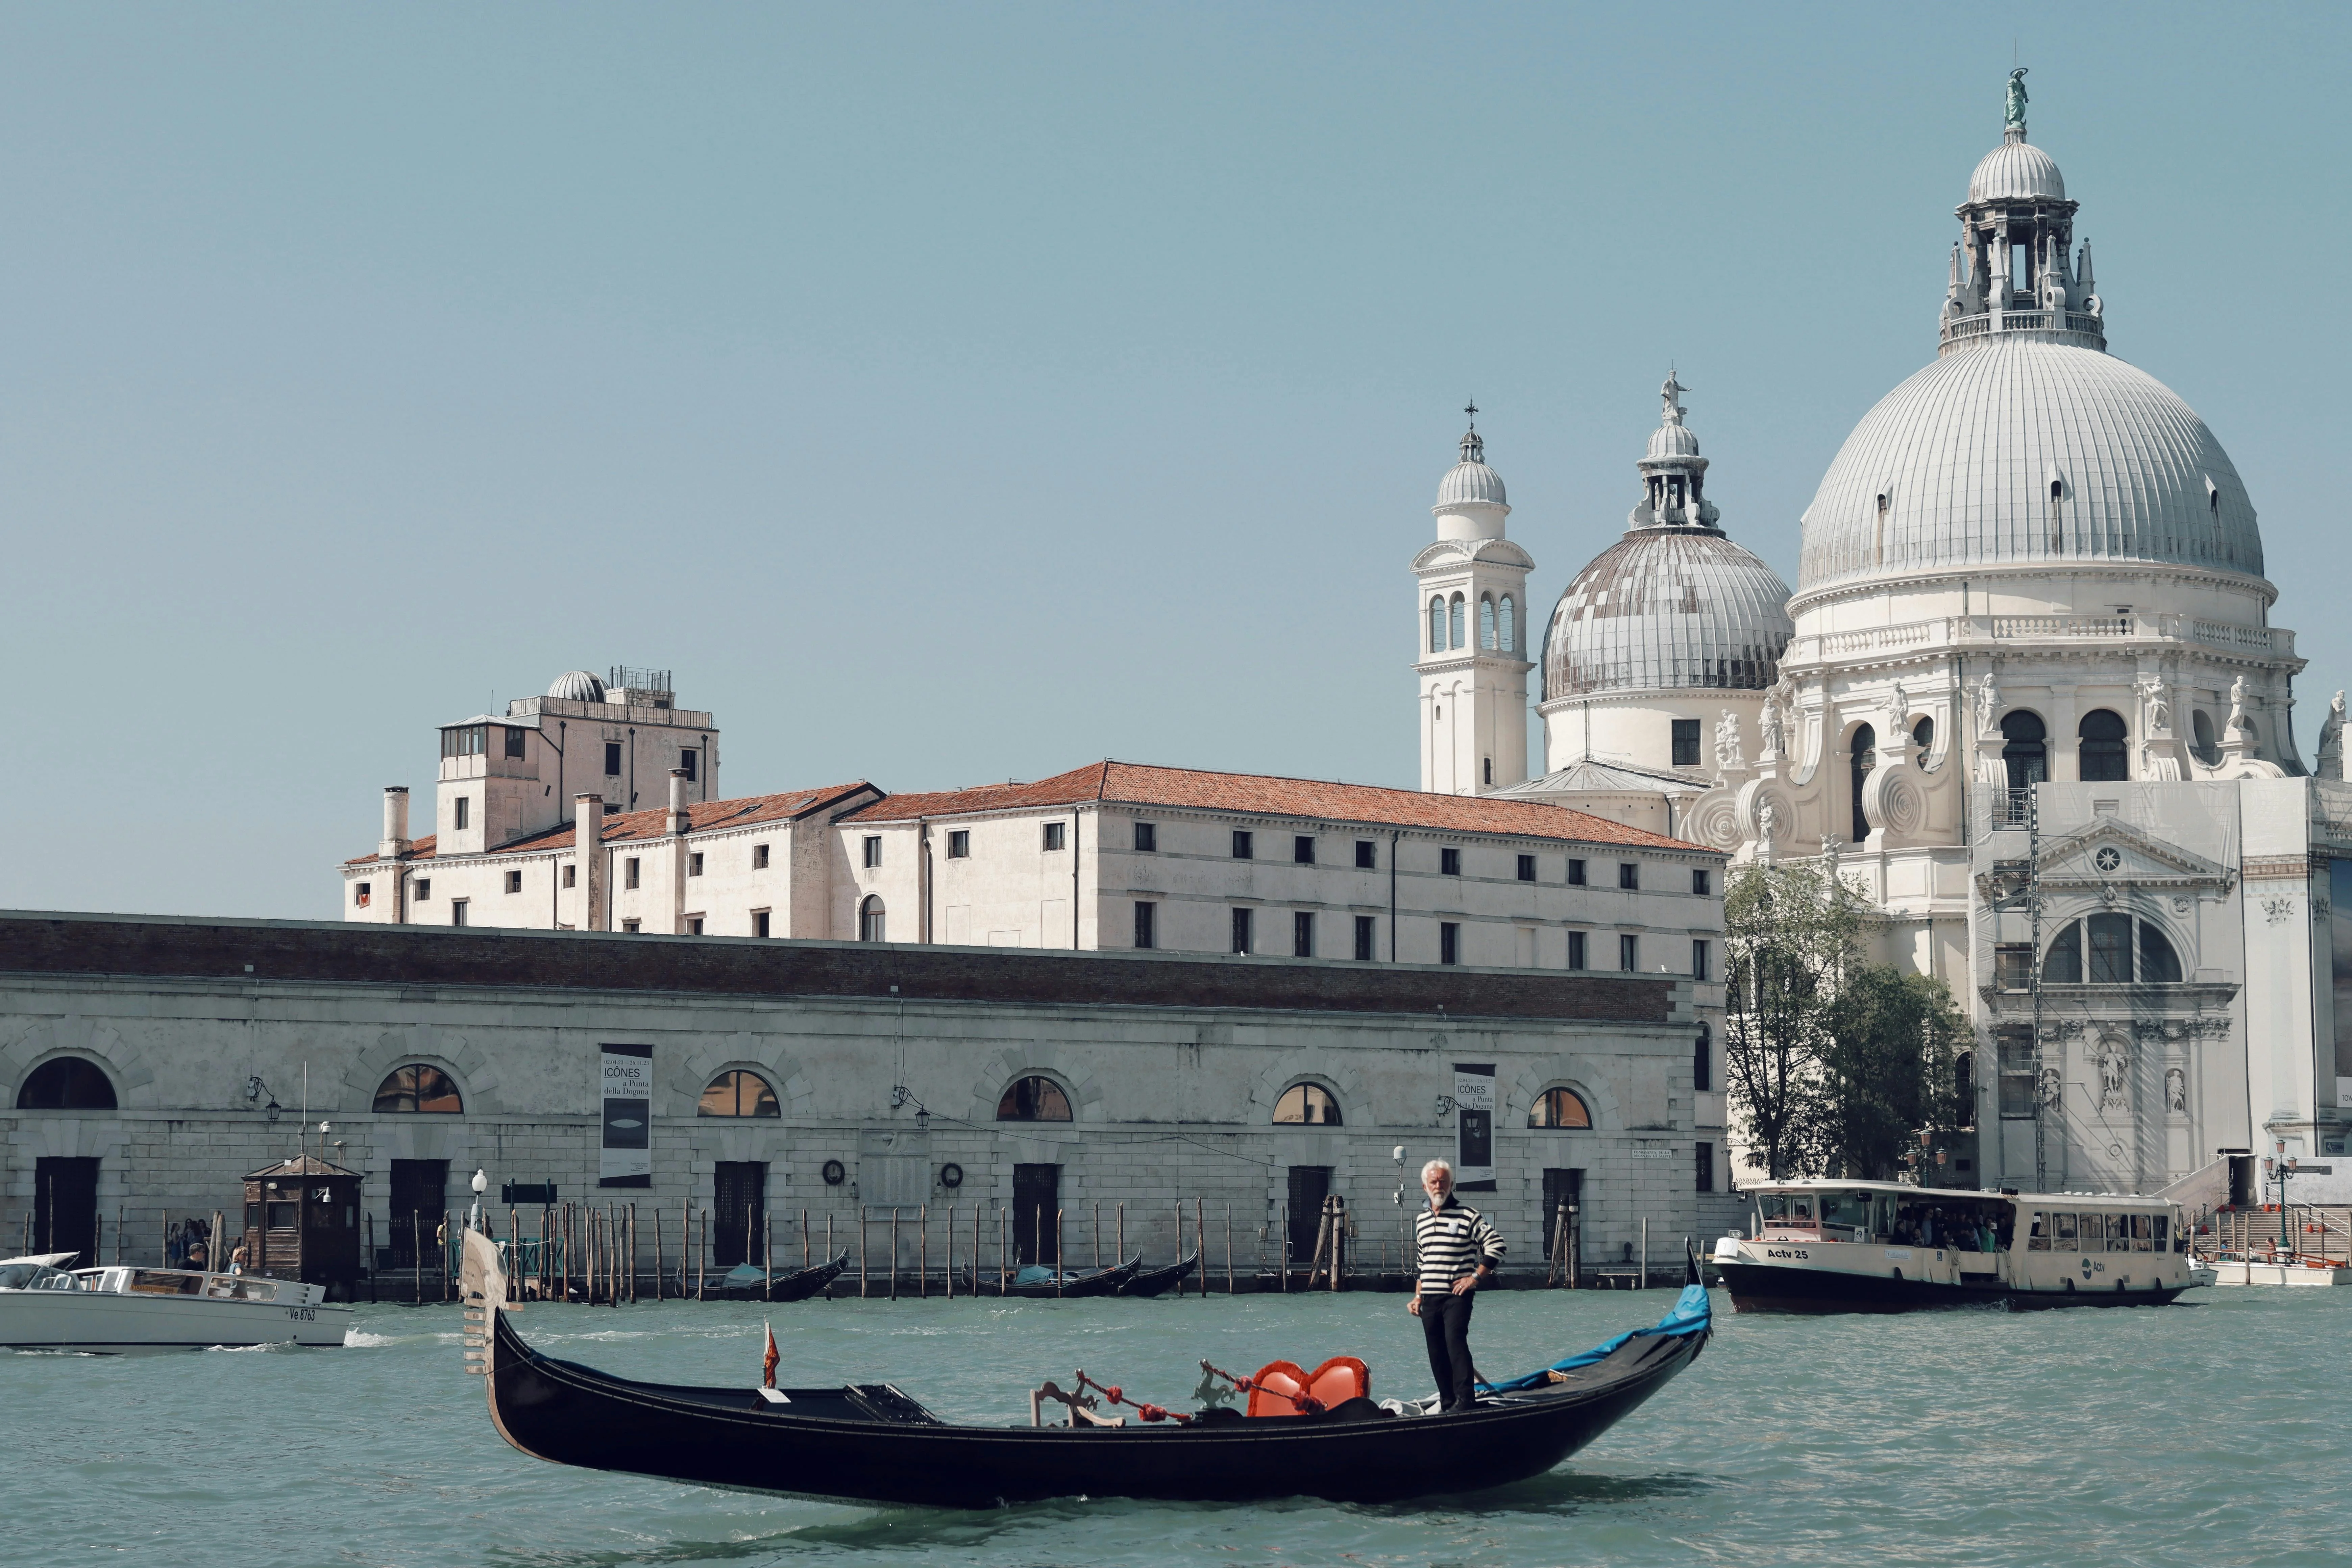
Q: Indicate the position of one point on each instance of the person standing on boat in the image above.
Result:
(1458, 1249)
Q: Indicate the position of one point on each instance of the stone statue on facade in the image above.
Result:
(1768, 825)
(1770, 724)
(1727, 742)
(2237, 725)
(2159, 711)
(2013, 115)
(2331, 741)
(1898, 713)
(1988, 704)
(2176, 1090)
(2111, 1064)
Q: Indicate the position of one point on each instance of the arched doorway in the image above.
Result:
(2026, 752)
(1865, 757)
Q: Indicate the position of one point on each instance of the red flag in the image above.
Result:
(768, 1362)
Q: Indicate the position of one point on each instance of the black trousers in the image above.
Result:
(1446, 1326)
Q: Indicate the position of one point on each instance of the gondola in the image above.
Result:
(1037, 1284)
(870, 1443)
(797, 1286)
(1152, 1281)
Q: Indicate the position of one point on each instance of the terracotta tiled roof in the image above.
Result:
(419, 849)
(1135, 784)
(701, 816)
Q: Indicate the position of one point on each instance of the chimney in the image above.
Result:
(587, 842)
(396, 822)
(677, 800)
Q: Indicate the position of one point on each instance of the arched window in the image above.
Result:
(1308, 1103)
(2201, 732)
(1460, 634)
(1486, 622)
(2103, 756)
(1507, 626)
(1865, 757)
(1702, 1060)
(2099, 950)
(738, 1093)
(66, 1083)
(1561, 1108)
(1034, 1099)
(418, 1087)
(1436, 624)
(870, 925)
(1923, 740)
(2024, 750)
(2158, 964)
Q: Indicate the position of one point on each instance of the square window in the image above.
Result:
(629, 872)
(1700, 882)
(1147, 838)
(462, 809)
(1243, 930)
(457, 911)
(424, 888)
(1147, 925)
(759, 856)
(1449, 862)
(514, 741)
(1629, 953)
(514, 881)
(571, 876)
(1576, 950)
(1302, 934)
(612, 759)
(362, 893)
(1449, 943)
(870, 851)
(693, 925)
(1527, 868)
(1576, 873)
(694, 864)
(630, 927)
(1629, 876)
(1367, 856)
(2012, 966)
(759, 922)
(1364, 929)
(959, 844)
(1702, 960)
(1302, 850)
(1244, 845)
(1053, 834)
(1686, 743)
(689, 762)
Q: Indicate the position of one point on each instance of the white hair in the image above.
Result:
(1434, 1166)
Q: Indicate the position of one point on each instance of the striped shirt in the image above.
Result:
(1453, 1241)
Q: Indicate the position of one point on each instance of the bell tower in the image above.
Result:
(1470, 616)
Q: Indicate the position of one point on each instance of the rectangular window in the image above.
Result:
(1576, 950)
(870, 851)
(1706, 1167)
(514, 881)
(1701, 957)
(571, 876)
(1368, 857)
(629, 872)
(612, 759)
(1527, 868)
(1576, 873)
(1244, 846)
(468, 741)
(1241, 930)
(457, 911)
(694, 864)
(759, 856)
(1699, 882)
(1147, 838)
(1686, 743)
(1302, 850)
(424, 888)
(1147, 925)
(1302, 934)
(1449, 943)
(2012, 966)
(1449, 862)
(463, 810)
(689, 762)
(514, 741)
(1629, 953)
(629, 927)
(362, 893)
(2068, 1239)
(1053, 834)
(2037, 1238)
(693, 925)
(1629, 876)
(2016, 1047)
(1364, 939)
(959, 844)
(1702, 1068)
(759, 922)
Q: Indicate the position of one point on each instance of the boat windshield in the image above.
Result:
(1922, 1218)
(36, 1276)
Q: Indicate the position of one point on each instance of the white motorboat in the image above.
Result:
(120, 1309)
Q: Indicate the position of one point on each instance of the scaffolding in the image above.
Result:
(2017, 886)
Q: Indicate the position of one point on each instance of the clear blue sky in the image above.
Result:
(965, 393)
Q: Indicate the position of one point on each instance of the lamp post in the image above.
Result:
(2278, 1168)
(481, 1184)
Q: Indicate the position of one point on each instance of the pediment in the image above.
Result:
(2111, 852)
(1448, 553)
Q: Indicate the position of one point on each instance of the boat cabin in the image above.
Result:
(302, 1222)
(1888, 1214)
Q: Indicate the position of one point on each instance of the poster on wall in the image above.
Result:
(626, 1158)
(1474, 1106)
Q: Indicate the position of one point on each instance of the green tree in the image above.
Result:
(1891, 1040)
(1790, 933)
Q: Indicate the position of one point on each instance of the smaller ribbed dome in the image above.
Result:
(2016, 170)
(1471, 482)
(577, 686)
(1674, 441)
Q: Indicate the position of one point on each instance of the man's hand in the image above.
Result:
(1412, 1304)
(1467, 1283)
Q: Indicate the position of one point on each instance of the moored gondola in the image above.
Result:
(751, 1284)
(1037, 1284)
(1152, 1281)
(872, 1443)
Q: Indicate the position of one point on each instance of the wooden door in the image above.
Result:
(738, 1204)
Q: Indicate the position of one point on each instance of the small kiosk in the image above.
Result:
(302, 1222)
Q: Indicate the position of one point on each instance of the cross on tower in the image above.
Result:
(1472, 410)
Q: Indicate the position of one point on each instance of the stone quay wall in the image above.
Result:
(1172, 1064)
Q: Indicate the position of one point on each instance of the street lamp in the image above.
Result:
(481, 1183)
(2278, 1168)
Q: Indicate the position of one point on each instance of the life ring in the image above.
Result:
(835, 1173)
(950, 1175)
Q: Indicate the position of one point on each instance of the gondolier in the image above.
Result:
(1458, 1251)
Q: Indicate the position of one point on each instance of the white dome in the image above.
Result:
(577, 686)
(1674, 441)
(1965, 455)
(2016, 170)
(1470, 483)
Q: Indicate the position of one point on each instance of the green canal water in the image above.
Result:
(2214, 1433)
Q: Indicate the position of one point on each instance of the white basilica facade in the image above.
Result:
(2027, 695)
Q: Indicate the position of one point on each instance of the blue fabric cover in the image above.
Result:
(1691, 1314)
